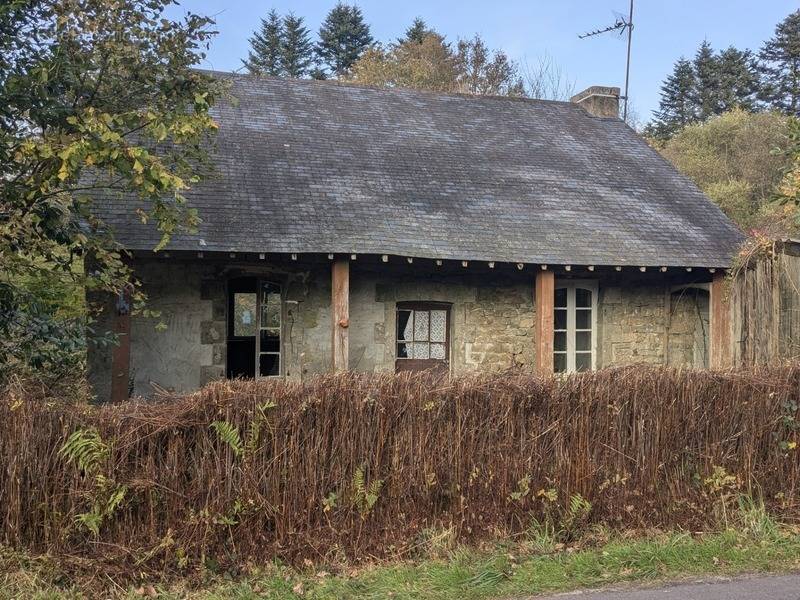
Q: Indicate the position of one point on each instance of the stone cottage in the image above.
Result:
(388, 230)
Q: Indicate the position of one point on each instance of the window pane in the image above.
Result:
(561, 319)
(583, 361)
(561, 298)
(270, 340)
(244, 314)
(402, 351)
(583, 319)
(438, 324)
(404, 324)
(583, 341)
(560, 341)
(559, 363)
(270, 305)
(583, 298)
(420, 324)
(421, 350)
(269, 365)
(437, 351)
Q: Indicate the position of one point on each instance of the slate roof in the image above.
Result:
(307, 166)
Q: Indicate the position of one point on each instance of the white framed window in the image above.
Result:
(575, 326)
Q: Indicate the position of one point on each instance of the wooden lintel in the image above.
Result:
(544, 299)
(340, 317)
(121, 353)
(720, 338)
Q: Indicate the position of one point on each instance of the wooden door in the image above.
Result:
(423, 336)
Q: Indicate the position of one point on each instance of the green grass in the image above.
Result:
(465, 574)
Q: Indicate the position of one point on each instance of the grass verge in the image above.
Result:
(463, 575)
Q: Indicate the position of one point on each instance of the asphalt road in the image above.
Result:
(776, 587)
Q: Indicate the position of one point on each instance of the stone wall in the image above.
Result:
(491, 326)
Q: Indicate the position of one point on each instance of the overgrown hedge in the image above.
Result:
(369, 465)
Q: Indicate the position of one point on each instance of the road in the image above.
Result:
(775, 587)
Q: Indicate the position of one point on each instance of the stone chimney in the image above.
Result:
(599, 101)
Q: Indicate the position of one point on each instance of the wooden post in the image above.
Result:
(720, 338)
(545, 295)
(340, 307)
(121, 353)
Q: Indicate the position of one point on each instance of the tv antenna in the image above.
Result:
(622, 25)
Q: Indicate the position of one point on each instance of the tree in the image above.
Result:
(426, 65)
(266, 47)
(485, 72)
(416, 32)
(732, 158)
(96, 98)
(343, 38)
(433, 65)
(677, 106)
(706, 75)
(780, 67)
(296, 48)
(738, 84)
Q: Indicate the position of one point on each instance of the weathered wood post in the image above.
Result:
(340, 306)
(544, 299)
(121, 353)
(720, 339)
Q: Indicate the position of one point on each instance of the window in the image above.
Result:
(269, 347)
(422, 335)
(575, 327)
(254, 328)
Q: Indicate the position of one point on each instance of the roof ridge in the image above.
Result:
(348, 84)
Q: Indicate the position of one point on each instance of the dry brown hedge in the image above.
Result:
(638, 443)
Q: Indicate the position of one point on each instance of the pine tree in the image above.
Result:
(677, 107)
(780, 68)
(343, 37)
(296, 48)
(416, 32)
(738, 82)
(706, 73)
(264, 57)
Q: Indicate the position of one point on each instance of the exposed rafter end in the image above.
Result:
(232, 255)
(385, 258)
(663, 269)
(688, 269)
(353, 257)
(491, 265)
(643, 269)
(712, 270)
(410, 260)
(330, 256)
(199, 255)
(294, 256)
(590, 267)
(618, 268)
(568, 267)
(544, 267)
(520, 266)
(464, 263)
(438, 262)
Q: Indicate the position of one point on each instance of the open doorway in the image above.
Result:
(254, 328)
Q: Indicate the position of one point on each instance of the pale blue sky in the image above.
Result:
(528, 29)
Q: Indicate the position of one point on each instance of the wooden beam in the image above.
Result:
(720, 338)
(545, 295)
(121, 353)
(340, 307)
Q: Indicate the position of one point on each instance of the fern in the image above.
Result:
(230, 435)
(86, 449)
(365, 496)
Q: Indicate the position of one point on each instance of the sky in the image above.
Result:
(529, 29)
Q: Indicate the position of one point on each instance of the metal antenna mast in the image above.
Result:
(622, 25)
